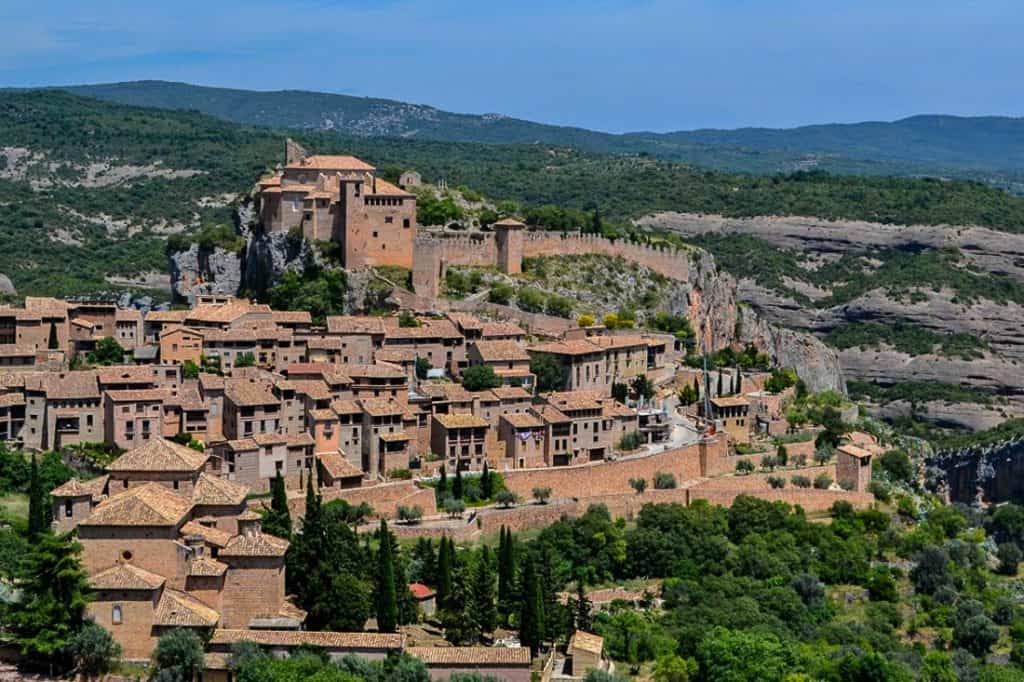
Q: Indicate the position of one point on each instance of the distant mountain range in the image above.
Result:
(984, 148)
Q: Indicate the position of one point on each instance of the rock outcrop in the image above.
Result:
(196, 271)
(7, 286)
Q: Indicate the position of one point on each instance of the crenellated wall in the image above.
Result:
(432, 255)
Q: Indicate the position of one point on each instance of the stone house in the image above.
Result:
(732, 415)
(461, 439)
(589, 439)
(250, 408)
(582, 363)
(180, 344)
(509, 664)
(508, 359)
(360, 336)
(524, 438)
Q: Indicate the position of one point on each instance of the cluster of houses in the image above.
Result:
(358, 398)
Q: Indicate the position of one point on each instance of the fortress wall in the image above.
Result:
(671, 263)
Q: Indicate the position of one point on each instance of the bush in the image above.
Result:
(480, 378)
(454, 507)
(410, 514)
(800, 481)
(897, 464)
(559, 306)
(823, 454)
(745, 466)
(500, 293)
(586, 320)
(531, 300)
(630, 441)
(542, 495)
(880, 489)
(638, 484)
(1009, 555)
(400, 474)
(776, 482)
(664, 480)
(769, 462)
(506, 498)
(822, 481)
(93, 650)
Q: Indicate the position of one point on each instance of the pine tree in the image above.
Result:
(278, 520)
(444, 573)
(387, 595)
(486, 484)
(53, 600)
(53, 344)
(457, 484)
(531, 615)
(38, 513)
(506, 574)
(485, 613)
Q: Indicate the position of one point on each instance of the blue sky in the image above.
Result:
(614, 65)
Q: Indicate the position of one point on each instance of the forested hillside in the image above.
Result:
(91, 189)
(989, 148)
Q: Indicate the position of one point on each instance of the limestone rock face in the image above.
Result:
(195, 272)
(7, 286)
(269, 255)
(816, 363)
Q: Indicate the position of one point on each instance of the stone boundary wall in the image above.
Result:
(759, 480)
(610, 477)
(810, 500)
(535, 323)
(385, 498)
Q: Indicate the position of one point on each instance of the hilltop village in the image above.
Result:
(211, 408)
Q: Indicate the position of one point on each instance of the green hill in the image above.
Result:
(91, 189)
(985, 148)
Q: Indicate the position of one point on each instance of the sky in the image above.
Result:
(613, 65)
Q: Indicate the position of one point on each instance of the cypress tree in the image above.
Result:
(506, 573)
(739, 380)
(483, 592)
(442, 484)
(444, 573)
(37, 512)
(486, 484)
(531, 615)
(457, 484)
(720, 383)
(278, 520)
(53, 344)
(696, 389)
(581, 608)
(387, 595)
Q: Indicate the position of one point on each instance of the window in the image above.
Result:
(405, 222)
(115, 615)
(375, 233)
(388, 220)
(278, 466)
(176, 484)
(69, 509)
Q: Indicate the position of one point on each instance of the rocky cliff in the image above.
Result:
(196, 271)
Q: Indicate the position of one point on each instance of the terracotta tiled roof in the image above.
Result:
(164, 316)
(854, 451)
(257, 544)
(523, 421)
(396, 355)
(421, 591)
(380, 407)
(428, 329)
(375, 371)
(492, 329)
(471, 655)
(150, 504)
(93, 488)
(160, 454)
(587, 642)
(245, 391)
(225, 312)
(384, 188)
(242, 445)
(550, 414)
(48, 307)
(324, 343)
(313, 388)
(206, 567)
(293, 638)
(501, 351)
(459, 421)
(572, 347)
(466, 320)
(78, 385)
(125, 577)
(269, 438)
(10, 399)
(511, 393)
(211, 382)
(346, 407)
(615, 342)
(446, 391)
(178, 609)
(127, 314)
(510, 222)
(574, 400)
(394, 437)
(331, 162)
(354, 324)
(730, 401)
(292, 317)
(300, 440)
(337, 466)
(142, 395)
(323, 415)
(214, 490)
(213, 536)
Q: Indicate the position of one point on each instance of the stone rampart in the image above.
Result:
(385, 498)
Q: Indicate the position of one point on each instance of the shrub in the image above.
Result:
(506, 498)
(769, 462)
(454, 507)
(407, 320)
(822, 481)
(542, 495)
(586, 320)
(800, 481)
(664, 480)
(480, 378)
(410, 514)
(880, 489)
(630, 441)
(93, 650)
(1009, 555)
(744, 466)
(531, 300)
(776, 482)
(559, 306)
(823, 454)
(800, 460)
(500, 293)
(400, 474)
(638, 484)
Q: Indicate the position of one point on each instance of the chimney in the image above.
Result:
(249, 524)
(196, 545)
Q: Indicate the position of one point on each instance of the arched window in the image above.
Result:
(115, 615)
(69, 508)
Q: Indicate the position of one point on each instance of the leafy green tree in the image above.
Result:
(506, 498)
(531, 614)
(178, 656)
(745, 466)
(480, 378)
(423, 367)
(500, 293)
(581, 608)
(277, 520)
(732, 656)
(93, 650)
(549, 371)
(897, 464)
(638, 484)
(642, 387)
(38, 503)
(107, 351)
(531, 300)
(245, 360)
(483, 589)
(189, 370)
(672, 668)
(559, 306)
(937, 666)
(387, 593)
(54, 594)
(1009, 555)
(972, 629)
(321, 292)
(542, 494)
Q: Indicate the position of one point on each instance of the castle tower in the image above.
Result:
(509, 236)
